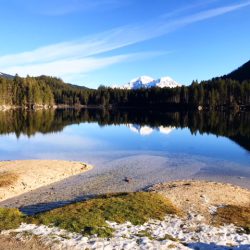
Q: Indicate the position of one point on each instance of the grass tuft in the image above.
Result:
(89, 217)
(145, 233)
(7, 179)
(169, 237)
(10, 218)
(237, 215)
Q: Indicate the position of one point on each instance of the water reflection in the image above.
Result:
(234, 126)
(146, 130)
(149, 147)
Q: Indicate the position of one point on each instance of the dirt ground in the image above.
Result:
(11, 243)
(201, 197)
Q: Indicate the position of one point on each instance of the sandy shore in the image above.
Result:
(18, 177)
(202, 197)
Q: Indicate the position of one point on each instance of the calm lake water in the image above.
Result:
(148, 147)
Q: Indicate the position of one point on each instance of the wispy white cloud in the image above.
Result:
(188, 8)
(88, 46)
(214, 12)
(85, 55)
(69, 67)
(169, 26)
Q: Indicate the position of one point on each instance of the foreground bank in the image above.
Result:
(177, 215)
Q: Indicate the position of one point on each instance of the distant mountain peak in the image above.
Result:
(149, 82)
(142, 79)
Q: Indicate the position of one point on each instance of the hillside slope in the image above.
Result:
(240, 74)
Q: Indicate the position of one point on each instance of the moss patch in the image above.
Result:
(7, 179)
(10, 218)
(237, 215)
(90, 217)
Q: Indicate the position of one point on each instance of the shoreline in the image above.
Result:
(22, 176)
(108, 177)
(126, 108)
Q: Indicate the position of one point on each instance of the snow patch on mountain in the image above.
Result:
(149, 82)
(142, 130)
(165, 130)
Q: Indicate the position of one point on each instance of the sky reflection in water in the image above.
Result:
(108, 142)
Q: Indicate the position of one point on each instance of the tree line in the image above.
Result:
(214, 94)
(217, 93)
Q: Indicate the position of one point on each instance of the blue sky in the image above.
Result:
(93, 42)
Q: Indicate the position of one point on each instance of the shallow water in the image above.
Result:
(146, 148)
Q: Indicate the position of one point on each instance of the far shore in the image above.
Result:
(21, 176)
(177, 108)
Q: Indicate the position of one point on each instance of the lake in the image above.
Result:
(146, 146)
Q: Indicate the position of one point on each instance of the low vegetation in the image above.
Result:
(90, 217)
(7, 179)
(237, 215)
(10, 218)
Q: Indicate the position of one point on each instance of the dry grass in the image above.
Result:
(7, 179)
(237, 215)
(9, 242)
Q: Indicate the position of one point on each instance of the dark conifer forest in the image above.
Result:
(230, 91)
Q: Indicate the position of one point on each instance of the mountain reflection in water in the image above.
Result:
(234, 126)
(146, 130)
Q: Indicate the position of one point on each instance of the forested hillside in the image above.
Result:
(218, 93)
(240, 74)
(25, 92)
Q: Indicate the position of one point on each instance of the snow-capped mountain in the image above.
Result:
(149, 82)
(138, 83)
(164, 82)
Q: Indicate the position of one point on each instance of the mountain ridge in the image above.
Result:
(149, 82)
(6, 75)
(240, 74)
